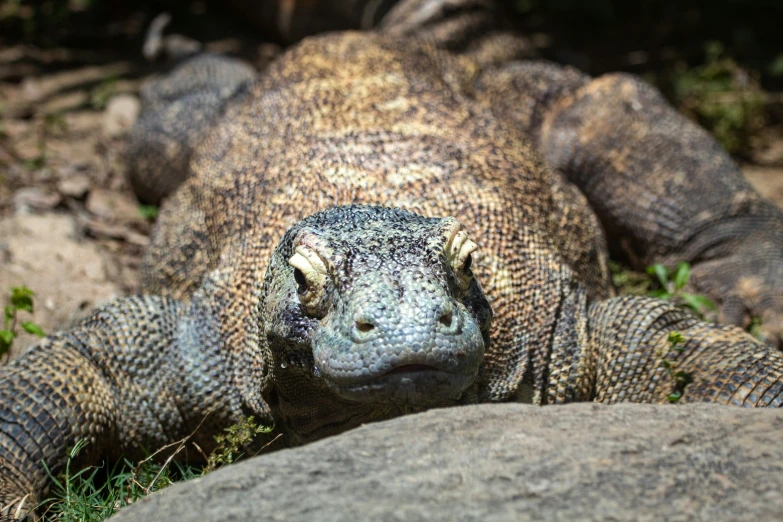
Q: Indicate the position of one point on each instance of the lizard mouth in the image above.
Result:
(409, 384)
(427, 371)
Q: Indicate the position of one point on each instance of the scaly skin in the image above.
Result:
(133, 376)
(660, 185)
(170, 127)
(377, 119)
(664, 190)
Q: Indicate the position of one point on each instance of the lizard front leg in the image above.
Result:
(44, 410)
(136, 374)
(637, 359)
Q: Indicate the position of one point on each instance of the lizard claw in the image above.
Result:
(747, 286)
(17, 508)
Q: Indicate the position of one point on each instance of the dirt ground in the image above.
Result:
(70, 227)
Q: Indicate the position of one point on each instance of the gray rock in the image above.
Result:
(120, 114)
(75, 186)
(113, 206)
(35, 198)
(507, 462)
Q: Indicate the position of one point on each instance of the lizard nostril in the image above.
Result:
(364, 327)
(446, 318)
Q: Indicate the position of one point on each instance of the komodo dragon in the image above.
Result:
(306, 272)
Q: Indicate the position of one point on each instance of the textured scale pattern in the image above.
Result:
(440, 112)
(405, 137)
(170, 128)
(727, 366)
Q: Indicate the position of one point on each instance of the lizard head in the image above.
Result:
(377, 305)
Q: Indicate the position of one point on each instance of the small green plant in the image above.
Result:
(231, 443)
(671, 285)
(629, 282)
(754, 328)
(661, 283)
(724, 98)
(148, 212)
(52, 124)
(775, 67)
(102, 93)
(21, 301)
(680, 378)
(37, 162)
(10, 9)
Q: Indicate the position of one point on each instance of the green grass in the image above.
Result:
(95, 493)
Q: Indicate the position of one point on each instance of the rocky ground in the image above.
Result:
(70, 227)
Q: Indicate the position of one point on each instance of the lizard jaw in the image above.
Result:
(412, 384)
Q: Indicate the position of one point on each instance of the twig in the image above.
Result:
(181, 443)
(176, 442)
(21, 506)
(200, 451)
(163, 467)
(265, 446)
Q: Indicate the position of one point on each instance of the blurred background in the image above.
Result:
(719, 61)
(70, 71)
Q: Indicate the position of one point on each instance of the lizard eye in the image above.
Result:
(468, 264)
(301, 282)
(311, 277)
(460, 252)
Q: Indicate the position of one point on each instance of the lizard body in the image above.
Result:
(306, 271)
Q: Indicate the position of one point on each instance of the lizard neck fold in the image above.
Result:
(569, 375)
